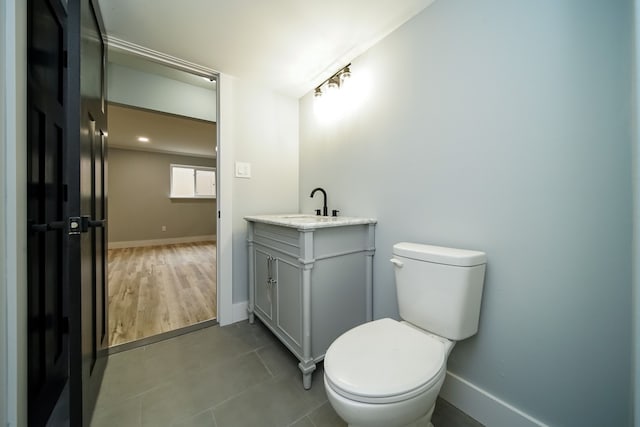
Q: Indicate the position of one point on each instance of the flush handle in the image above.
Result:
(397, 262)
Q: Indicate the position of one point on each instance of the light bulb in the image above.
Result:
(333, 85)
(345, 75)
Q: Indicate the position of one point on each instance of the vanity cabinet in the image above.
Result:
(278, 294)
(310, 280)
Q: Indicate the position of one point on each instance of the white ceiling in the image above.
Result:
(290, 46)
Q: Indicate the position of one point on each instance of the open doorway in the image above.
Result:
(162, 201)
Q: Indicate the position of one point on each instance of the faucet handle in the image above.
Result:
(334, 212)
(318, 212)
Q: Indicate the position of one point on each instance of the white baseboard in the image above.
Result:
(483, 406)
(156, 242)
(240, 311)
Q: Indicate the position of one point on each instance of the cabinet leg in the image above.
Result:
(306, 381)
(251, 318)
(307, 369)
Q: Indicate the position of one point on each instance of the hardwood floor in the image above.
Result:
(157, 289)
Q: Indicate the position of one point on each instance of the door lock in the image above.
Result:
(75, 225)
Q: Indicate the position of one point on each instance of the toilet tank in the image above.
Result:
(439, 289)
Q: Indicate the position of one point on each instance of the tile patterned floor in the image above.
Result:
(232, 376)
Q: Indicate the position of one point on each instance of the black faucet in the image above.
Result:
(325, 211)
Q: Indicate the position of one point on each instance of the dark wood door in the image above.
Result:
(47, 240)
(89, 323)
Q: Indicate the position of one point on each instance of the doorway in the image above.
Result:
(162, 201)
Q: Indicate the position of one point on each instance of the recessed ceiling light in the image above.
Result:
(143, 139)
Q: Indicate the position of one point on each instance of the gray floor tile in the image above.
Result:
(234, 376)
(199, 349)
(274, 403)
(447, 415)
(303, 422)
(196, 391)
(325, 416)
(279, 360)
(123, 381)
(204, 419)
(254, 335)
(124, 414)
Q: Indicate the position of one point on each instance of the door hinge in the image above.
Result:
(218, 214)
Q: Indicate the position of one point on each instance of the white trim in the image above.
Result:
(225, 199)
(4, 392)
(14, 62)
(156, 242)
(483, 406)
(240, 312)
(159, 57)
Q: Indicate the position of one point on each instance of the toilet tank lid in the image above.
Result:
(439, 254)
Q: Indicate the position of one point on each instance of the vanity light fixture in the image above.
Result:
(334, 82)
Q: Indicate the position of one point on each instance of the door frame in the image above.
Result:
(3, 249)
(13, 143)
(224, 169)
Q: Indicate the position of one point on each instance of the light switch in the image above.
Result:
(243, 170)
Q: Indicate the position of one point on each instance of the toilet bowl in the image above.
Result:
(385, 374)
(388, 373)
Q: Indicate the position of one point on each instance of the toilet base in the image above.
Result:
(425, 421)
(406, 413)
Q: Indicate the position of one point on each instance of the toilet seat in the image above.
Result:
(384, 361)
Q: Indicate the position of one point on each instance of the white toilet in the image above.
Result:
(388, 373)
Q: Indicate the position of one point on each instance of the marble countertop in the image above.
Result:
(306, 221)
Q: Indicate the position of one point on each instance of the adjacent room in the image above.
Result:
(162, 201)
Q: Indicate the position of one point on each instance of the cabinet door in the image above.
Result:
(288, 292)
(263, 297)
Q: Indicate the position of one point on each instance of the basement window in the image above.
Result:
(193, 182)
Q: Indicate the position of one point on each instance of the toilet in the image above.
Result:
(388, 373)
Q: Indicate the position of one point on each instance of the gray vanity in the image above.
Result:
(310, 279)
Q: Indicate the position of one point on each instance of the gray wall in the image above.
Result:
(503, 126)
(139, 203)
(151, 91)
(263, 130)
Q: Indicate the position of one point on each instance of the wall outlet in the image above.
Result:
(164, 228)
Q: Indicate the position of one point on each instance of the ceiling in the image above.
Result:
(289, 46)
(167, 133)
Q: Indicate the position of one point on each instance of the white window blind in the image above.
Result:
(193, 182)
